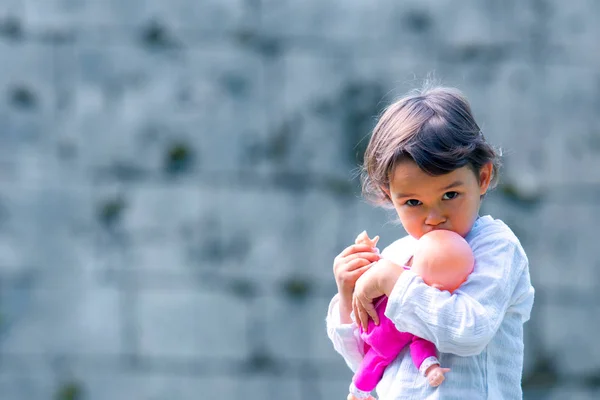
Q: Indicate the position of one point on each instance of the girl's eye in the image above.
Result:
(412, 203)
(450, 195)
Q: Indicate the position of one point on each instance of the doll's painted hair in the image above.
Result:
(435, 128)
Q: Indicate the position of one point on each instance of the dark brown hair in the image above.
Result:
(435, 128)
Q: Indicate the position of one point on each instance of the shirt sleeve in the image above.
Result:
(465, 322)
(345, 337)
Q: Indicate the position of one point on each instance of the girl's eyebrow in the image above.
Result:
(453, 185)
(401, 195)
(450, 186)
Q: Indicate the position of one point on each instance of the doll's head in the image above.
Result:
(443, 259)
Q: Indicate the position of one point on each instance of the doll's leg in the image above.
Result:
(386, 340)
(368, 374)
(384, 343)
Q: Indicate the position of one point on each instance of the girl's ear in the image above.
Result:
(485, 177)
(386, 190)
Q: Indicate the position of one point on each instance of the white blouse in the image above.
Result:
(478, 330)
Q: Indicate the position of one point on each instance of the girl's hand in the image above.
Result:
(350, 264)
(374, 283)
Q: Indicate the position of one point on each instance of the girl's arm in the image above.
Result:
(464, 323)
(345, 337)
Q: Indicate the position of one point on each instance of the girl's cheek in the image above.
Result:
(457, 205)
(415, 220)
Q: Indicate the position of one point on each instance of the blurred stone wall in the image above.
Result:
(176, 178)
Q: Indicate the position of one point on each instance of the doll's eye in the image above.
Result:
(450, 195)
(413, 203)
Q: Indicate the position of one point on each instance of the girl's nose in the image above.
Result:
(434, 218)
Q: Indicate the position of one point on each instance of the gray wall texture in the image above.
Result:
(176, 178)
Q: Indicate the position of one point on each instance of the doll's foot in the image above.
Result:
(355, 393)
(352, 397)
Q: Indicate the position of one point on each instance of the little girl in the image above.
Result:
(428, 159)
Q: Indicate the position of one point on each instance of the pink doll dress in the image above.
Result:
(383, 343)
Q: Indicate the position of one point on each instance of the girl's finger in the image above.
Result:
(355, 248)
(371, 311)
(355, 311)
(357, 263)
(357, 273)
(362, 254)
(367, 310)
(360, 315)
(363, 316)
(366, 255)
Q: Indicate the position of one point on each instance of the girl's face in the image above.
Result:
(424, 202)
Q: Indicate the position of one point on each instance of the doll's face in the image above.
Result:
(425, 203)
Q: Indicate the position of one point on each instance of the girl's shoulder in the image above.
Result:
(488, 231)
(489, 226)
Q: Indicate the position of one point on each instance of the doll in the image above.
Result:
(444, 260)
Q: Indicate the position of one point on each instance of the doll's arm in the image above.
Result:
(423, 353)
